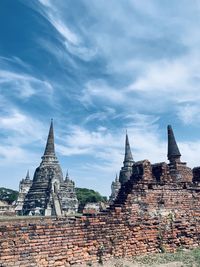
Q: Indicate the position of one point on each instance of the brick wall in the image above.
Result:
(153, 213)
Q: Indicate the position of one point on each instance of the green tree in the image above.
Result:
(85, 195)
(8, 195)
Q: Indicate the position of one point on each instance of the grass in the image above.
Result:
(182, 258)
(187, 258)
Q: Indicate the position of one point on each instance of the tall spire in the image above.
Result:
(50, 149)
(128, 155)
(173, 150)
(67, 176)
(27, 176)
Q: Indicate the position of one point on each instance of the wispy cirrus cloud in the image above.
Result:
(52, 14)
(189, 113)
(176, 77)
(22, 127)
(71, 40)
(23, 84)
(99, 90)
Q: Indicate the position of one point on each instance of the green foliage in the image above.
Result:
(8, 195)
(85, 195)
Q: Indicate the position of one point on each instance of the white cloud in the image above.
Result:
(63, 29)
(189, 113)
(190, 153)
(80, 140)
(163, 76)
(109, 146)
(19, 132)
(46, 3)
(98, 90)
(14, 155)
(14, 60)
(104, 115)
(21, 125)
(170, 83)
(24, 85)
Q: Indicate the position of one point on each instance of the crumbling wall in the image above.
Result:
(150, 215)
(160, 172)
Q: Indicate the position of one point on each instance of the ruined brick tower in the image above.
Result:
(178, 170)
(126, 170)
(49, 194)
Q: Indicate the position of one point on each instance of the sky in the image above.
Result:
(97, 68)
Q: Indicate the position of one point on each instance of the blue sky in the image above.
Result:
(98, 68)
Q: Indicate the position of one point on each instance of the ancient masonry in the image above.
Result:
(125, 172)
(48, 194)
(115, 187)
(24, 187)
(156, 210)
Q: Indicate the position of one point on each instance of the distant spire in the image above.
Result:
(50, 149)
(67, 176)
(27, 176)
(128, 155)
(173, 150)
(116, 178)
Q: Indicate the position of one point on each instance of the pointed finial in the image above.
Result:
(116, 178)
(50, 149)
(67, 176)
(27, 176)
(128, 155)
(173, 150)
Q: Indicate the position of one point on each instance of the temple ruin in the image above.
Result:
(156, 210)
(48, 194)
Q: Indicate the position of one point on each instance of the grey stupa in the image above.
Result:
(173, 150)
(126, 170)
(49, 194)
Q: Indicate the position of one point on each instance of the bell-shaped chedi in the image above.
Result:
(47, 193)
(126, 170)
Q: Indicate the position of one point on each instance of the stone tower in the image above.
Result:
(47, 194)
(126, 170)
(173, 154)
(68, 196)
(115, 187)
(24, 187)
(178, 170)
